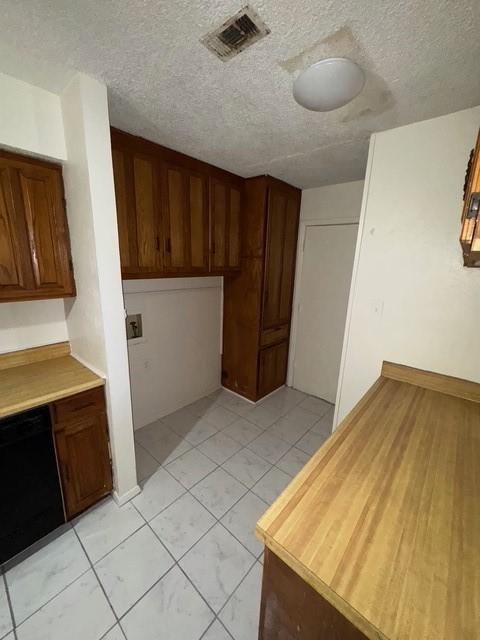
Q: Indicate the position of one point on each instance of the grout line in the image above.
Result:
(216, 619)
(9, 602)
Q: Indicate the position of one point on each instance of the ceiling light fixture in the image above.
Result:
(328, 84)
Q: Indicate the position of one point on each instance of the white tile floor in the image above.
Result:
(180, 561)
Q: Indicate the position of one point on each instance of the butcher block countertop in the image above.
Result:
(384, 520)
(33, 377)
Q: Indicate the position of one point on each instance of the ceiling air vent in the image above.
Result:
(236, 34)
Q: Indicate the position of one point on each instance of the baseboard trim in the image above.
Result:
(125, 497)
(251, 401)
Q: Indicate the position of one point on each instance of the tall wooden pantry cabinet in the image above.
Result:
(258, 301)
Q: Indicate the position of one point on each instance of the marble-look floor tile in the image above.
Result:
(233, 403)
(158, 492)
(105, 526)
(6, 623)
(247, 467)
(269, 447)
(242, 612)
(181, 421)
(219, 447)
(132, 568)
(293, 425)
(325, 424)
(182, 524)
(218, 492)
(191, 467)
(43, 575)
(217, 632)
(146, 463)
(264, 415)
(271, 485)
(115, 634)
(241, 521)
(284, 399)
(200, 431)
(10, 636)
(79, 612)
(311, 442)
(216, 565)
(293, 461)
(220, 417)
(171, 610)
(315, 405)
(201, 406)
(150, 433)
(168, 447)
(242, 431)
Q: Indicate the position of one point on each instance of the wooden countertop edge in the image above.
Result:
(34, 354)
(320, 587)
(51, 397)
(324, 590)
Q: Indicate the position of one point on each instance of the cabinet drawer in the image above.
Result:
(270, 336)
(80, 405)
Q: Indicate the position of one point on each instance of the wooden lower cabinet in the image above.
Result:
(292, 610)
(81, 441)
(272, 368)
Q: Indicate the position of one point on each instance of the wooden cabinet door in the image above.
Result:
(138, 198)
(225, 212)
(185, 221)
(272, 368)
(280, 252)
(33, 217)
(16, 274)
(84, 461)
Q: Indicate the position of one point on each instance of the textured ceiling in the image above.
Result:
(421, 59)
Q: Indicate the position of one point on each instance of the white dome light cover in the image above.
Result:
(328, 84)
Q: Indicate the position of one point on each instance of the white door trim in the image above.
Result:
(302, 230)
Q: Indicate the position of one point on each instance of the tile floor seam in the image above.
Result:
(80, 575)
(9, 601)
(216, 619)
(96, 576)
(139, 444)
(238, 585)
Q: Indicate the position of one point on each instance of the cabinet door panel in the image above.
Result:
(175, 232)
(274, 258)
(234, 229)
(146, 207)
(198, 222)
(15, 266)
(124, 213)
(225, 226)
(84, 462)
(219, 223)
(272, 368)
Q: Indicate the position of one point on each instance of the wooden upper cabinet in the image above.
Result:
(35, 257)
(138, 198)
(225, 212)
(185, 221)
(280, 253)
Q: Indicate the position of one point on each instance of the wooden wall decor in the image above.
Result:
(470, 233)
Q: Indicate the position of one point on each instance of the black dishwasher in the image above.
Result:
(30, 496)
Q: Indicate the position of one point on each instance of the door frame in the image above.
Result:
(302, 233)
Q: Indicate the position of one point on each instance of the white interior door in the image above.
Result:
(323, 297)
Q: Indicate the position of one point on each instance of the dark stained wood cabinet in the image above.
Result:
(35, 259)
(225, 212)
(177, 216)
(82, 446)
(291, 609)
(185, 220)
(470, 233)
(258, 301)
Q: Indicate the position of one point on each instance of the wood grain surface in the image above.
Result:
(37, 383)
(384, 520)
(35, 354)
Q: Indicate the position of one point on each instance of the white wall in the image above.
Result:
(30, 119)
(178, 360)
(412, 301)
(31, 122)
(323, 205)
(333, 202)
(95, 318)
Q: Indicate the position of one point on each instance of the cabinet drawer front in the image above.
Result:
(270, 336)
(82, 404)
